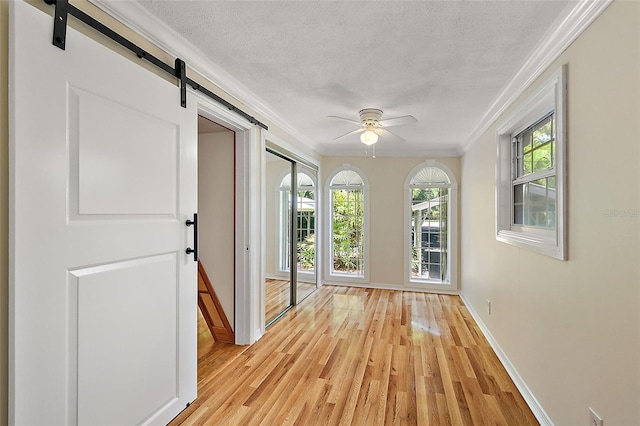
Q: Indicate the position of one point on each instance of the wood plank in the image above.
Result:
(277, 297)
(211, 309)
(212, 357)
(364, 356)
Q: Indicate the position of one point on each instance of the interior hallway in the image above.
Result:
(361, 356)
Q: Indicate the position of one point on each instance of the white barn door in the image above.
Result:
(103, 178)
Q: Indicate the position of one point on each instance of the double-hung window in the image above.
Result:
(530, 175)
(534, 175)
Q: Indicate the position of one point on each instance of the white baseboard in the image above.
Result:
(277, 277)
(526, 393)
(384, 286)
(363, 285)
(303, 278)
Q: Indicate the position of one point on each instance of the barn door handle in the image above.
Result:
(193, 250)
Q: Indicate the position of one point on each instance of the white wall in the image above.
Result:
(386, 176)
(572, 329)
(216, 229)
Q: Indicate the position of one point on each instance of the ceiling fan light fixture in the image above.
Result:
(369, 137)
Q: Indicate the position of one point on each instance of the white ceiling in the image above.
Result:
(443, 62)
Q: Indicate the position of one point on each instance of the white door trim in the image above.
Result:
(247, 322)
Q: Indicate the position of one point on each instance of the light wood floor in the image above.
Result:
(278, 296)
(356, 356)
(212, 355)
(305, 289)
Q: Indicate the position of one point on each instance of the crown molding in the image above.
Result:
(143, 22)
(296, 152)
(565, 31)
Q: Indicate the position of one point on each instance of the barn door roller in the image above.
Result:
(179, 70)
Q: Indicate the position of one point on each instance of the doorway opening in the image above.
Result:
(216, 232)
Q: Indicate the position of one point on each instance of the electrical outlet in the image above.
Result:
(594, 418)
(489, 306)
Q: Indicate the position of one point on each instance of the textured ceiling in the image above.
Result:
(443, 62)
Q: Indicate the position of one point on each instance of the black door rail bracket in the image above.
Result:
(63, 8)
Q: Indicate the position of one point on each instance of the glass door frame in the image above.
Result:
(292, 205)
(312, 173)
(293, 225)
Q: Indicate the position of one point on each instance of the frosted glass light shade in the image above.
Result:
(369, 137)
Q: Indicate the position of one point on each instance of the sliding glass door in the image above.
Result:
(278, 282)
(291, 233)
(306, 207)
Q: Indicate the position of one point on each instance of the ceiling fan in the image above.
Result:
(373, 126)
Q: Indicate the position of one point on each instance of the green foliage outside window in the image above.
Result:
(307, 252)
(348, 230)
(538, 148)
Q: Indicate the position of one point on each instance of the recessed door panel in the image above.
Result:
(126, 160)
(120, 358)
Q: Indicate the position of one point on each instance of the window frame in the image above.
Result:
(519, 177)
(329, 272)
(452, 224)
(283, 216)
(314, 185)
(283, 232)
(549, 98)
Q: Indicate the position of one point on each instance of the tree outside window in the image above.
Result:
(347, 223)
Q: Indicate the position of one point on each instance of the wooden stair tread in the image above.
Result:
(211, 309)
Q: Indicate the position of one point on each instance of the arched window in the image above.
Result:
(431, 204)
(348, 236)
(306, 220)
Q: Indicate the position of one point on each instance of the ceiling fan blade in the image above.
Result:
(353, 132)
(345, 119)
(387, 135)
(397, 121)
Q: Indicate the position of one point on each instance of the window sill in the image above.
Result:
(418, 281)
(346, 276)
(431, 286)
(534, 242)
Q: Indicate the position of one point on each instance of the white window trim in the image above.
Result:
(452, 225)
(551, 96)
(280, 244)
(328, 267)
(304, 275)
